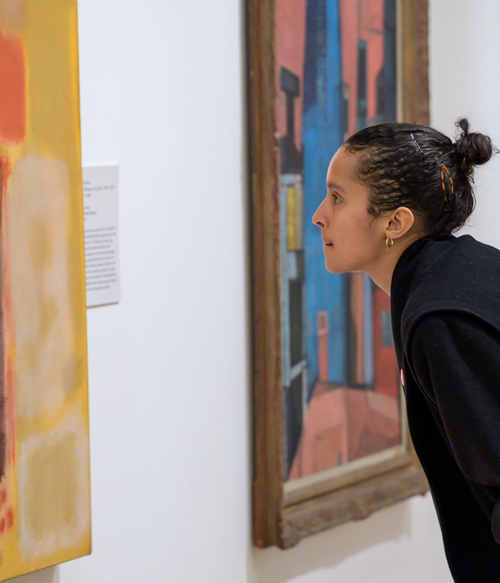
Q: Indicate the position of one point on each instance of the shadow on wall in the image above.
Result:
(328, 549)
(50, 575)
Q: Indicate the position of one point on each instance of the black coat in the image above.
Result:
(445, 302)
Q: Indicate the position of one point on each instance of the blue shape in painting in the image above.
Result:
(322, 136)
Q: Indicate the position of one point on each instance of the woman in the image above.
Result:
(395, 194)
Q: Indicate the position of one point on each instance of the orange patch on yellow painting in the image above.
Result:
(12, 90)
(7, 501)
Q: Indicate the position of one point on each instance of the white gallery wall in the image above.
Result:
(163, 96)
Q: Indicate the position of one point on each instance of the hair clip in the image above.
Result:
(443, 170)
(417, 144)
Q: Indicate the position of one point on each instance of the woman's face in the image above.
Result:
(353, 239)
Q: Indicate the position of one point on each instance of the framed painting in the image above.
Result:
(44, 424)
(331, 442)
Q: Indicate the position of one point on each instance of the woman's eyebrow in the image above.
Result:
(335, 186)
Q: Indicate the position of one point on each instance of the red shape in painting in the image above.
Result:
(12, 91)
(290, 54)
(10, 518)
(3, 497)
(7, 423)
(385, 365)
(344, 423)
(361, 21)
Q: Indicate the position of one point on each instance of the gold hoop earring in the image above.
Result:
(388, 241)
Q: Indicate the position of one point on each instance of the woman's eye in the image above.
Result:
(336, 199)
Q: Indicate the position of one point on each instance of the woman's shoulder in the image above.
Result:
(465, 279)
(468, 243)
(459, 250)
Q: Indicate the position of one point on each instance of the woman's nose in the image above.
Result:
(319, 218)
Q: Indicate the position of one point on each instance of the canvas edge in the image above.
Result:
(88, 547)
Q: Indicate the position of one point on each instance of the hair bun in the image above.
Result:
(473, 149)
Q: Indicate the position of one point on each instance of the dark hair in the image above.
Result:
(402, 164)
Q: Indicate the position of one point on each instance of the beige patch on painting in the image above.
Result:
(13, 13)
(47, 369)
(54, 489)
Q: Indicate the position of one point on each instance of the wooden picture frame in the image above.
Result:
(282, 516)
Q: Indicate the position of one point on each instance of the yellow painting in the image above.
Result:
(44, 445)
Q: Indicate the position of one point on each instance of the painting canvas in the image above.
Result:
(331, 440)
(44, 450)
(336, 62)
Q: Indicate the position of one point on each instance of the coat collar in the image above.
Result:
(414, 264)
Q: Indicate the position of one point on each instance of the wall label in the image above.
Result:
(100, 209)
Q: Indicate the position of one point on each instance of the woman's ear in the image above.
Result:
(400, 222)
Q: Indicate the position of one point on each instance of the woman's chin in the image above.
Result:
(336, 269)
